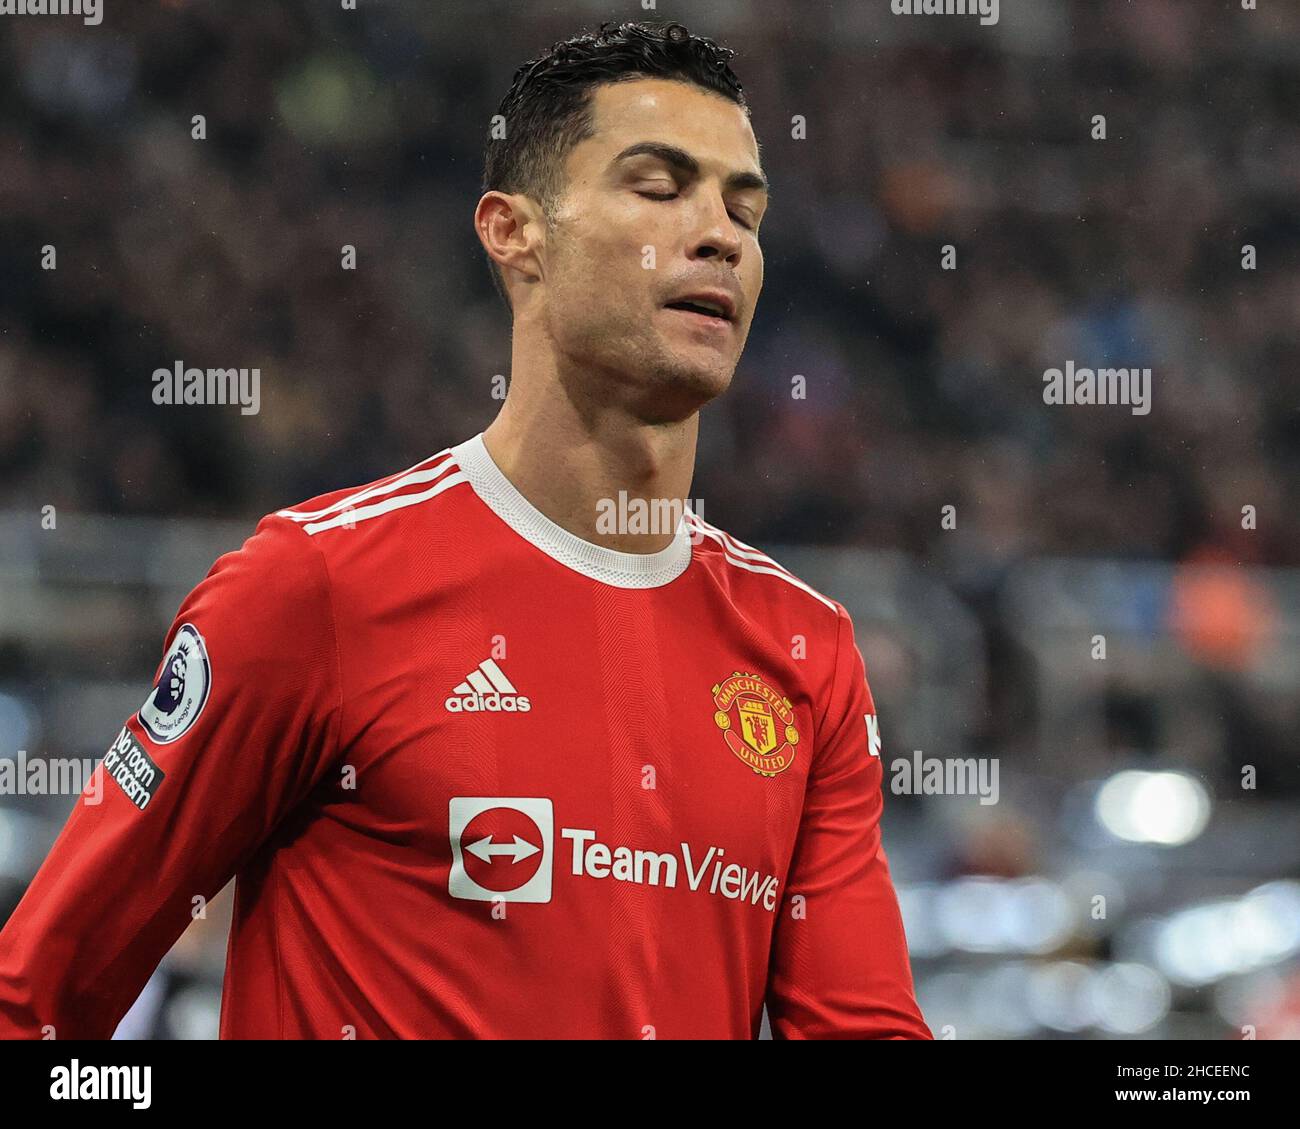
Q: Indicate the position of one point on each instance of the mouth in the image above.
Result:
(715, 311)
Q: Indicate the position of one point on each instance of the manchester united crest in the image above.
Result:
(756, 722)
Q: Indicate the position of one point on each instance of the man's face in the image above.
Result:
(637, 230)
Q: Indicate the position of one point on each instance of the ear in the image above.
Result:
(511, 228)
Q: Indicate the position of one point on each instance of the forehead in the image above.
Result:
(711, 128)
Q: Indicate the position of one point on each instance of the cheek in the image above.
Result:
(752, 279)
(632, 244)
(599, 290)
(605, 261)
(621, 273)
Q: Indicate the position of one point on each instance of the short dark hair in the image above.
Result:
(547, 110)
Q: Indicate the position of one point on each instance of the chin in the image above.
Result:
(669, 384)
(684, 389)
(712, 383)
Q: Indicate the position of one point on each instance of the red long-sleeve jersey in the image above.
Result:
(478, 777)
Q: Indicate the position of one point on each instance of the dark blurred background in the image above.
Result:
(1163, 779)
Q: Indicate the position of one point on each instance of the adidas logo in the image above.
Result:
(487, 690)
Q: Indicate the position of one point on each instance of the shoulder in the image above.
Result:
(351, 507)
(293, 553)
(751, 577)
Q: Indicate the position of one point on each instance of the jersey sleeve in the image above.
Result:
(240, 725)
(839, 966)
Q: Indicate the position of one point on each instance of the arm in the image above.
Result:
(241, 724)
(839, 966)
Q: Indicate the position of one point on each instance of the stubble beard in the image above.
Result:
(642, 369)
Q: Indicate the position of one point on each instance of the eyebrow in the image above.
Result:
(685, 163)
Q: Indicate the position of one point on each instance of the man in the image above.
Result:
(484, 762)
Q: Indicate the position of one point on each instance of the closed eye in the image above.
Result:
(674, 195)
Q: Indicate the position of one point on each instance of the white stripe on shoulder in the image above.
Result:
(737, 547)
(769, 567)
(376, 509)
(411, 475)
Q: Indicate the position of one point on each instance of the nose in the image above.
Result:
(715, 236)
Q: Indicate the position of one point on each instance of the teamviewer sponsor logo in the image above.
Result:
(501, 848)
(487, 690)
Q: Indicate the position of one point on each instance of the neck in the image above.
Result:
(572, 461)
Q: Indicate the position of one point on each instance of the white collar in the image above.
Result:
(621, 570)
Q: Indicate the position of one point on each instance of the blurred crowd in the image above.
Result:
(326, 129)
